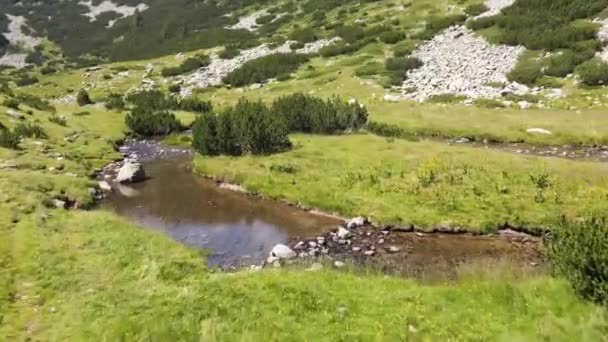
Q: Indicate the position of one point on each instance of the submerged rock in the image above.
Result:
(131, 173)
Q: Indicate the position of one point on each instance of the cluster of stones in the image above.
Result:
(213, 74)
(351, 241)
(129, 169)
(457, 61)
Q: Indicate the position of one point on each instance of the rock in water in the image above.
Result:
(131, 173)
(282, 252)
(104, 186)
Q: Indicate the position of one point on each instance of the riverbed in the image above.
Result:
(236, 229)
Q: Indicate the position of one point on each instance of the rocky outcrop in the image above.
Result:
(457, 61)
(219, 68)
(131, 172)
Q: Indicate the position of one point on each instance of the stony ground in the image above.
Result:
(459, 62)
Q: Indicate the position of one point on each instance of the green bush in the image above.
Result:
(189, 65)
(370, 69)
(115, 102)
(308, 114)
(155, 101)
(265, 19)
(26, 81)
(36, 102)
(29, 130)
(83, 98)
(261, 69)
(304, 35)
(175, 88)
(544, 24)
(525, 72)
(350, 34)
(11, 102)
(578, 251)
(148, 123)
(399, 66)
(248, 127)
(392, 37)
(296, 45)
(404, 49)
(437, 24)
(229, 52)
(9, 139)
(561, 64)
(593, 72)
(475, 9)
(342, 48)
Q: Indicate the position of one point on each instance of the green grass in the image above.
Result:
(90, 275)
(424, 183)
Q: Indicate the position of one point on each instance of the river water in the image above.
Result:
(239, 230)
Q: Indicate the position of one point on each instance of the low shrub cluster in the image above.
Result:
(155, 100)
(399, 66)
(304, 35)
(525, 72)
(549, 25)
(83, 98)
(248, 127)
(253, 127)
(579, 252)
(115, 102)
(9, 139)
(189, 65)
(475, 9)
(392, 37)
(593, 72)
(436, 24)
(26, 80)
(309, 114)
(261, 69)
(36, 102)
(343, 48)
(150, 115)
(152, 123)
(229, 52)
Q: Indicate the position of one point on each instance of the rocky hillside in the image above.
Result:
(513, 51)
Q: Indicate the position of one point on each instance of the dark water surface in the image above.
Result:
(235, 228)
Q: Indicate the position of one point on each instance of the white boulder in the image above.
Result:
(131, 173)
(356, 222)
(343, 233)
(538, 131)
(281, 251)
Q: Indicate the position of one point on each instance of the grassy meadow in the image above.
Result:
(425, 183)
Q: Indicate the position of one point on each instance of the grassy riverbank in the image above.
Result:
(91, 275)
(424, 183)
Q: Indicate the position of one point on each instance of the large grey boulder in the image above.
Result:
(131, 173)
(281, 252)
